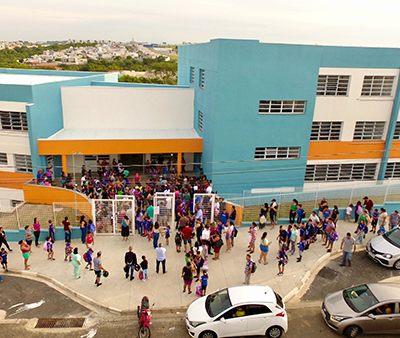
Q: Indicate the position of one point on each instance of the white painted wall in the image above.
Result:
(355, 107)
(13, 106)
(6, 195)
(127, 108)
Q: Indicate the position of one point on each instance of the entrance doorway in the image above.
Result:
(133, 163)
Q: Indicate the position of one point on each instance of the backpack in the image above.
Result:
(254, 268)
(85, 257)
(303, 214)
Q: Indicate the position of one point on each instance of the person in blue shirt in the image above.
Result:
(51, 231)
(89, 259)
(3, 258)
(375, 217)
(299, 213)
(327, 212)
(361, 230)
(50, 252)
(224, 217)
(302, 245)
(204, 283)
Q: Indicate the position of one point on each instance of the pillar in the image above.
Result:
(179, 162)
(64, 164)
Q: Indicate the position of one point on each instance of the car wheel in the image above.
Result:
(274, 332)
(207, 334)
(396, 265)
(352, 331)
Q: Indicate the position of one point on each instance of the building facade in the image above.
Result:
(285, 117)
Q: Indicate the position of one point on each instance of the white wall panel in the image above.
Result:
(13, 106)
(127, 108)
(355, 107)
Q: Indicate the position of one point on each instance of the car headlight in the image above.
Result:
(196, 324)
(338, 318)
(388, 256)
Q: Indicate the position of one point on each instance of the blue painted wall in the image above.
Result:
(240, 73)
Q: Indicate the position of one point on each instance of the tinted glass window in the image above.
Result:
(257, 309)
(393, 237)
(359, 298)
(218, 302)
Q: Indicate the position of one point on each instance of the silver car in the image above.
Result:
(367, 308)
(386, 249)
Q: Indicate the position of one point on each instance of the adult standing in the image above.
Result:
(293, 238)
(83, 226)
(369, 205)
(335, 214)
(26, 250)
(349, 247)
(150, 210)
(292, 212)
(76, 262)
(180, 213)
(217, 241)
(264, 247)
(205, 238)
(28, 236)
(160, 258)
(156, 234)
(67, 229)
(187, 236)
(382, 219)
(394, 220)
(252, 237)
(3, 239)
(36, 230)
(130, 262)
(248, 269)
(187, 275)
(232, 216)
(273, 210)
(321, 207)
(98, 267)
(199, 214)
(125, 228)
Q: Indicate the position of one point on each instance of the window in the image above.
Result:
(333, 85)
(392, 170)
(15, 203)
(282, 107)
(377, 85)
(202, 78)
(257, 310)
(49, 161)
(97, 158)
(3, 159)
(201, 118)
(279, 153)
(396, 135)
(326, 131)
(13, 120)
(340, 172)
(369, 130)
(23, 163)
(192, 75)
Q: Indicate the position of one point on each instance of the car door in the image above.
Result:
(233, 322)
(259, 319)
(382, 319)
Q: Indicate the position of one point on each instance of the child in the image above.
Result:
(89, 240)
(50, 252)
(375, 217)
(302, 245)
(283, 259)
(333, 236)
(324, 224)
(144, 265)
(205, 250)
(89, 259)
(178, 241)
(382, 229)
(327, 212)
(204, 283)
(51, 231)
(3, 257)
(68, 250)
(167, 235)
(348, 213)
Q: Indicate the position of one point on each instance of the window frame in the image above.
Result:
(277, 153)
(392, 170)
(13, 121)
(25, 167)
(282, 107)
(202, 78)
(367, 89)
(333, 172)
(325, 87)
(396, 134)
(361, 127)
(192, 75)
(332, 125)
(3, 159)
(200, 122)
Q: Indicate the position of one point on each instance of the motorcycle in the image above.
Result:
(144, 315)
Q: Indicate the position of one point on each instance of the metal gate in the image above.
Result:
(164, 209)
(108, 214)
(205, 202)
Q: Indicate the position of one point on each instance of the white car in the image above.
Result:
(238, 311)
(385, 249)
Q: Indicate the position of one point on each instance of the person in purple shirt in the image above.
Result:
(394, 220)
(36, 230)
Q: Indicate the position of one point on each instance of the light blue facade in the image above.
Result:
(240, 73)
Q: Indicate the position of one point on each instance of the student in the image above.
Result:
(167, 235)
(88, 259)
(204, 283)
(348, 213)
(89, 240)
(144, 265)
(333, 237)
(375, 217)
(50, 252)
(302, 245)
(178, 240)
(51, 231)
(68, 250)
(283, 259)
(3, 258)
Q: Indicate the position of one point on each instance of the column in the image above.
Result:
(64, 164)
(179, 162)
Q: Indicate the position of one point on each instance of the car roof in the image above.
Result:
(385, 291)
(251, 294)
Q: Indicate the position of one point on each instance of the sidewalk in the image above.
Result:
(166, 290)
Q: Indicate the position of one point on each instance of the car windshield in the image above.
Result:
(393, 237)
(359, 298)
(279, 302)
(218, 302)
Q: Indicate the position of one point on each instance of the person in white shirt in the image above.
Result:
(83, 180)
(209, 190)
(160, 258)
(314, 218)
(205, 237)
(199, 214)
(216, 208)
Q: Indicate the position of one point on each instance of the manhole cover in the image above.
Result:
(59, 323)
(327, 273)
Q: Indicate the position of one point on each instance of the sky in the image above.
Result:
(323, 22)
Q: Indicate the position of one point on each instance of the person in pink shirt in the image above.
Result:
(36, 230)
(137, 178)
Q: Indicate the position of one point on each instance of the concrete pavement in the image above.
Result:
(165, 291)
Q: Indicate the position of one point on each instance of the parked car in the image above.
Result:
(367, 308)
(238, 311)
(385, 249)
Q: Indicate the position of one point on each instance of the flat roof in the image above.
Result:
(23, 79)
(123, 134)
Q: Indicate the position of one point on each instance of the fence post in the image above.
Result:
(54, 215)
(17, 214)
(386, 191)
(351, 194)
(316, 200)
